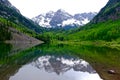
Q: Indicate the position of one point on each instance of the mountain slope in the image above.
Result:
(106, 28)
(12, 33)
(14, 26)
(8, 11)
(62, 19)
(110, 12)
(19, 37)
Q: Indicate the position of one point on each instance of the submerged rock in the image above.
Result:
(111, 71)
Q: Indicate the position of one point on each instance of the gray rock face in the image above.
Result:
(59, 17)
(62, 19)
(49, 14)
(82, 16)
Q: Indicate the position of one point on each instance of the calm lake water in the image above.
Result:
(49, 62)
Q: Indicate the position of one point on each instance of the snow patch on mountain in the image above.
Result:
(63, 19)
(71, 22)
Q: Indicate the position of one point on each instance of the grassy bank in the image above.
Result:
(97, 43)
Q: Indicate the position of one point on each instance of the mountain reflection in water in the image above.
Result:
(56, 68)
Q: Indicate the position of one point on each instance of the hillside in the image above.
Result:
(110, 12)
(11, 13)
(12, 33)
(105, 25)
(18, 36)
(15, 27)
(103, 30)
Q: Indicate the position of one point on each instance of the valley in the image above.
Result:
(59, 44)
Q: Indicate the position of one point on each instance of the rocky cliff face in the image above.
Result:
(110, 12)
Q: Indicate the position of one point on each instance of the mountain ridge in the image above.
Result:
(62, 19)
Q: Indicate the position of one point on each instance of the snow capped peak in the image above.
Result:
(50, 14)
(63, 19)
(62, 13)
(60, 10)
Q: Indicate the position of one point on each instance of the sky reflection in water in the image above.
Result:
(56, 68)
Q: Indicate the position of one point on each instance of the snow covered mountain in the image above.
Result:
(62, 19)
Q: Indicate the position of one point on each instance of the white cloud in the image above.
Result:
(31, 8)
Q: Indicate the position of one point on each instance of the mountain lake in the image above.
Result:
(58, 62)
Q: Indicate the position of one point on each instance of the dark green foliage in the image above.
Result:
(4, 50)
(45, 38)
(4, 32)
(52, 35)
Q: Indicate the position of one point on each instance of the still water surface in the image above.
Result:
(52, 62)
(56, 68)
